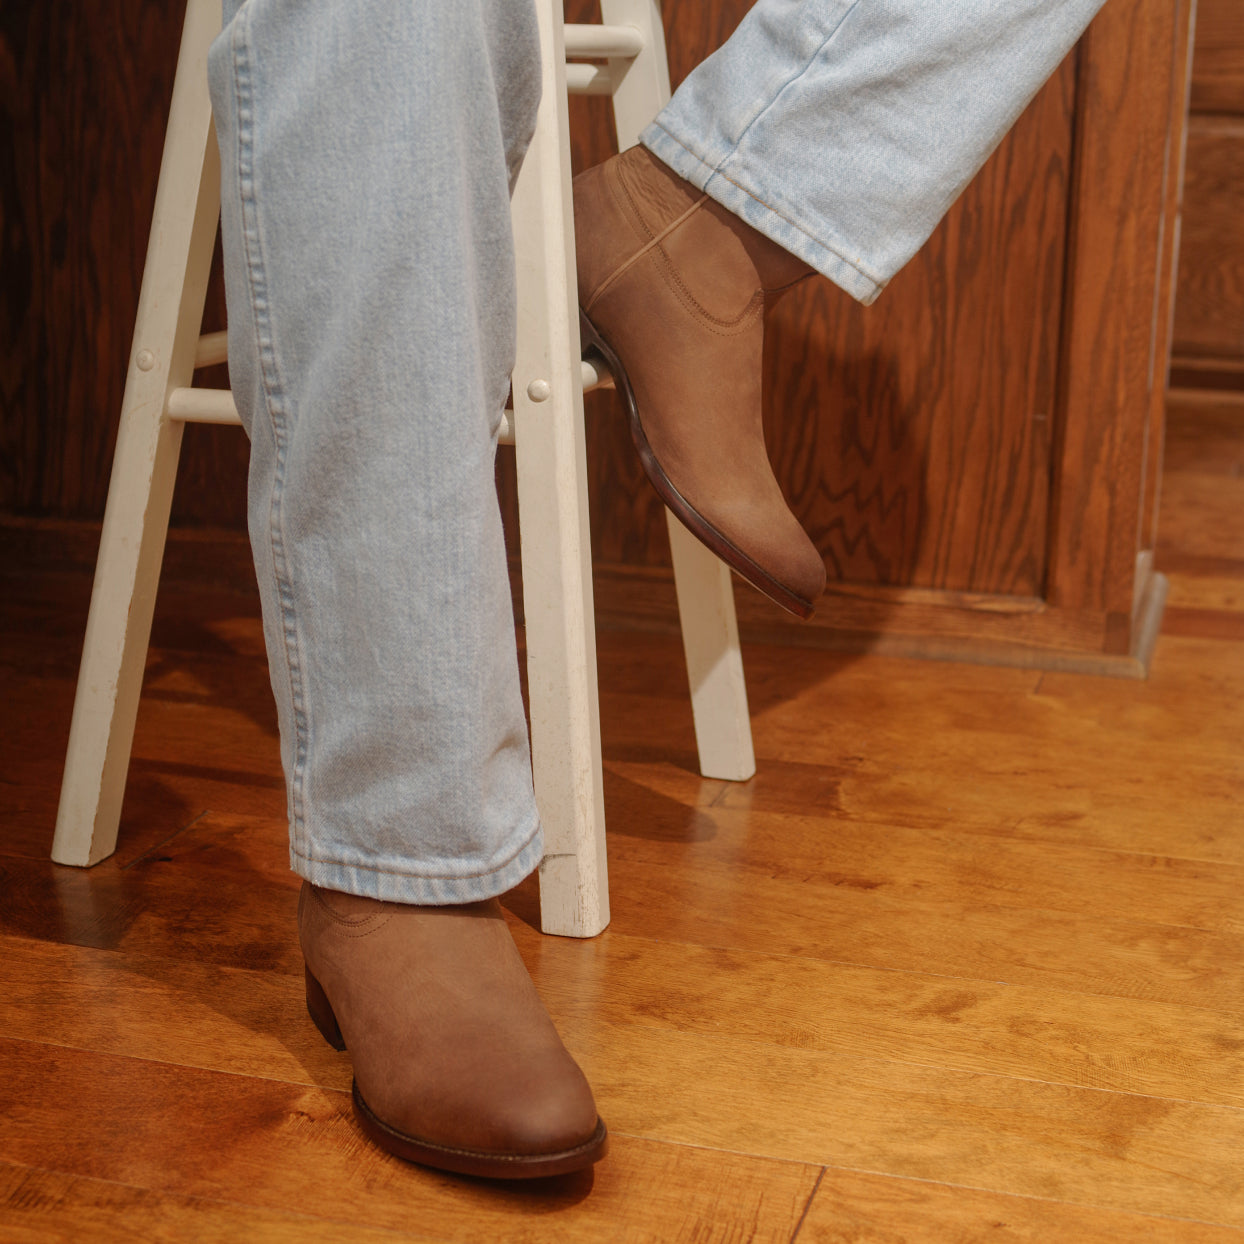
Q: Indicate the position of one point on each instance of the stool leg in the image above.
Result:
(550, 445)
(710, 641)
(170, 311)
(710, 633)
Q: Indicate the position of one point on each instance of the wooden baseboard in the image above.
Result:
(213, 557)
(912, 622)
(907, 622)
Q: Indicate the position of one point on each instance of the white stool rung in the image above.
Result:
(589, 80)
(195, 405)
(202, 406)
(603, 42)
(595, 376)
(212, 348)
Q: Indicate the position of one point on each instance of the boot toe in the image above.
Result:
(560, 1116)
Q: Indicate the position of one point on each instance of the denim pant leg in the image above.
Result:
(367, 154)
(844, 129)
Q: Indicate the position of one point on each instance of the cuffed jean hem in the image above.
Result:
(749, 206)
(369, 879)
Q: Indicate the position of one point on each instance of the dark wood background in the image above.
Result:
(84, 95)
(916, 439)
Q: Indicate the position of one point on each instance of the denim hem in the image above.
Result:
(388, 882)
(749, 207)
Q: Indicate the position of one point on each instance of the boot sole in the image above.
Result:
(476, 1162)
(682, 509)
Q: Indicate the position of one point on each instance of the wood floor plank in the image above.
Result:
(658, 1025)
(185, 1012)
(186, 754)
(706, 892)
(947, 865)
(1079, 1040)
(1075, 759)
(254, 1022)
(1201, 519)
(225, 905)
(662, 1073)
(1205, 592)
(1115, 1150)
(49, 1207)
(969, 949)
(1198, 822)
(1204, 433)
(852, 1207)
(1221, 624)
(1079, 953)
(185, 1132)
(1035, 802)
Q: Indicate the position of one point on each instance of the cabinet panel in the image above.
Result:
(1218, 67)
(1210, 309)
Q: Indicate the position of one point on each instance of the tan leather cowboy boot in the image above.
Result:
(456, 1062)
(672, 289)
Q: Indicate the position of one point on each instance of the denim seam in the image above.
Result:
(388, 870)
(274, 401)
(716, 172)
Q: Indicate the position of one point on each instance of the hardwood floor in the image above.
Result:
(965, 961)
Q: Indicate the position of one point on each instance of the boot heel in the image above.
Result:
(321, 1012)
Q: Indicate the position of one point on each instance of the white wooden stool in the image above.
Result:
(625, 58)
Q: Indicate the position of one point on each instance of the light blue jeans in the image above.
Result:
(367, 156)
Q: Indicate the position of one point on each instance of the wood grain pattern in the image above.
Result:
(1170, 231)
(48, 1207)
(273, 1145)
(963, 1024)
(252, 1022)
(684, 1007)
(1203, 437)
(1139, 1153)
(1125, 74)
(1222, 375)
(1218, 71)
(1210, 320)
(852, 1207)
(1209, 323)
